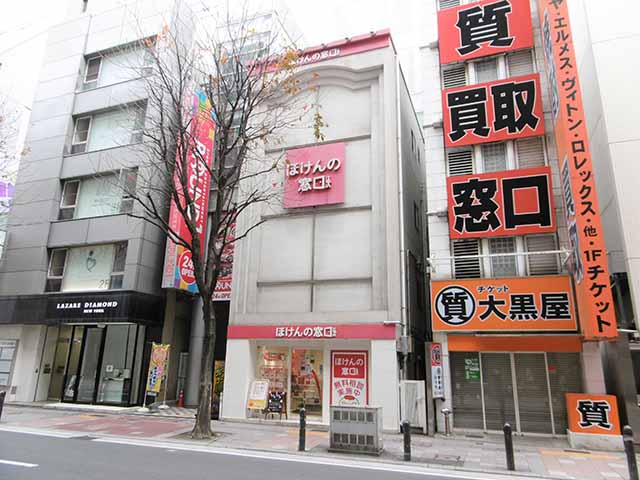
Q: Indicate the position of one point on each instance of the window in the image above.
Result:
(92, 72)
(81, 135)
(503, 266)
(542, 263)
(494, 157)
(8, 349)
(530, 152)
(94, 267)
(486, 70)
(114, 128)
(454, 76)
(69, 199)
(448, 3)
(459, 162)
(466, 267)
(55, 273)
(128, 180)
(520, 63)
(413, 142)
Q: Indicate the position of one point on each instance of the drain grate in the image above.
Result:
(83, 437)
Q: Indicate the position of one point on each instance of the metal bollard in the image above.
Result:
(508, 447)
(405, 426)
(447, 421)
(629, 449)
(303, 430)
(2, 397)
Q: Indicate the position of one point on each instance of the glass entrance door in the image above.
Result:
(88, 378)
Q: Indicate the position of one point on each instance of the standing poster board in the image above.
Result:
(258, 393)
(157, 367)
(349, 378)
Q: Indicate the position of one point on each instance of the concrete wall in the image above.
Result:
(26, 367)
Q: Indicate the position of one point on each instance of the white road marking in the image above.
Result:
(44, 433)
(18, 464)
(373, 465)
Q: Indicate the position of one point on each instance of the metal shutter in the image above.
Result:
(498, 390)
(442, 4)
(466, 267)
(486, 70)
(454, 76)
(533, 396)
(520, 63)
(565, 376)
(544, 264)
(465, 391)
(530, 152)
(503, 266)
(459, 162)
(494, 157)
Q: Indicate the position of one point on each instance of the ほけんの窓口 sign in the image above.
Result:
(349, 378)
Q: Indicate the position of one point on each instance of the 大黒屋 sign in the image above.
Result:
(513, 202)
(493, 112)
(178, 269)
(504, 304)
(314, 176)
(483, 28)
(586, 237)
(349, 378)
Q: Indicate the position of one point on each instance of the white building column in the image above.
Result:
(383, 378)
(239, 366)
(195, 354)
(592, 369)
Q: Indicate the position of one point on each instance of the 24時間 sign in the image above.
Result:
(586, 237)
(503, 304)
(484, 28)
(493, 112)
(512, 202)
(178, 263)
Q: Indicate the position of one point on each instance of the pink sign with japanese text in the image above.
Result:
(349, 378)
(314, 176)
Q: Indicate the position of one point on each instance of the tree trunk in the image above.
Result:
(202, 428)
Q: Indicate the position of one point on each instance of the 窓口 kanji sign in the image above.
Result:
(512, 202)
(314, 175)
(503, 304)
(483, 28)
(349, 378)
(493, 111)
(586, 237)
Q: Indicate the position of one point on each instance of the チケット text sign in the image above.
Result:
(483, 28)
(586, 237)
(493, 111)
(503, 304)
(510, 202)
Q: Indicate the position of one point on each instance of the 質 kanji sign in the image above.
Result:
(588, 413)
(503, 304)
(513, 202)
(586, 237)
(484, 28)
(493, 111)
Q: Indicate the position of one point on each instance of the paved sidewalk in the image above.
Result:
(536, 456)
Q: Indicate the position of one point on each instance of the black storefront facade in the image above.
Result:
(97, 344)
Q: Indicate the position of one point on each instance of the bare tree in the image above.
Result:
(247, 85)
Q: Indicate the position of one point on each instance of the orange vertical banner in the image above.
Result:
(586, 237)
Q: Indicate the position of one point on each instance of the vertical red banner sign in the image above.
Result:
(178, 265)
(349, 378)
(589, 257)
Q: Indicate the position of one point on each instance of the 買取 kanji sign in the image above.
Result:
(512, 202)
(586, 237)
(484, 28)
(588, 413)
(493, 111)
(503, 304)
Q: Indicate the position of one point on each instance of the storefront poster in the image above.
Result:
(503, 304)
(157, 366)
(258, 393)
(484, 28)
(349, 378)
(178, 269)
(225, 277)
(314, 175)
(595, 414)
(437, 375)
(512, 202)
(586, 237)
(493, 112)
(472, 368)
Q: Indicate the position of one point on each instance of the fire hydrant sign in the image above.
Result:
(349, 378)
(314, 176)
(437, 376)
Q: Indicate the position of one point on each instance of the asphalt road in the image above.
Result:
(27, 456)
